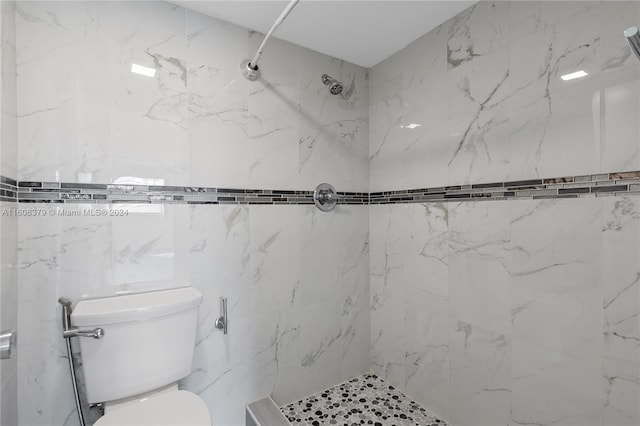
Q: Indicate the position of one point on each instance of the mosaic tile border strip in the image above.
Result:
(8, 189)
(585, 186)
(54, 192)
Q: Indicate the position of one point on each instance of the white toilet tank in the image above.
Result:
(148, 341)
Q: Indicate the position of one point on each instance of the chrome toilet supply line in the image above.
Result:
(325, 197)
(222, 321)
(67, 333)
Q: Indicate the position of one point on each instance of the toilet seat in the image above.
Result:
(179, 408)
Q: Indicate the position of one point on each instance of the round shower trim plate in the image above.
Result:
(248, 72)
(325, 197)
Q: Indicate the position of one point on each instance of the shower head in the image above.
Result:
(633, 38)
(335, 87)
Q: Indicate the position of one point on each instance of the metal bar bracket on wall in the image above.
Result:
(222, 321)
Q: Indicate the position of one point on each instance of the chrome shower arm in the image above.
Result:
(281, 18)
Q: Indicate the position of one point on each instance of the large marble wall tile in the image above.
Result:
(354, 290)
(480, 376)
(409, 305)
(275, 260)
(217, 103)
(477, 31)
(424, 127)
(479, 265)
(218, 255)
(477, 127)
(479, 301)
(620, 129)
(319, 267)
(148, 115)
(387, 251)
(388, 142)
(557, 312)
(274, 119)
(425, 58)
(8, 91)
(309, 354)
(63, 113)
(273, 129)
(146, 246)
(620, 275)
(426, 310)
(614, 54)
(333, 130)
(387, 77)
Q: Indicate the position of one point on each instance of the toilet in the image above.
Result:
(147, 347)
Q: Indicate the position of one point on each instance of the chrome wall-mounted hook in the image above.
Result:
(325, 197)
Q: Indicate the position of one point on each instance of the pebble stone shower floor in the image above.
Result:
(364, 400)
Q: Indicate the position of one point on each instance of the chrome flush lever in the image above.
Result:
(222, 321)
(96, 333)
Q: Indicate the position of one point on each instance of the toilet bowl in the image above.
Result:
(145, 348)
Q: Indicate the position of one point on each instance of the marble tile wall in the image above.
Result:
(296, 278)
(485, 89)
(9, 225)
(511, 312)
(487, 313)
(519, 311)
(85, 117)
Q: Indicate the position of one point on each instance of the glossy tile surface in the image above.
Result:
(485, 89)
(530, 307)
(8, 225)
(84, 117)
(298, 310)
(519, 312)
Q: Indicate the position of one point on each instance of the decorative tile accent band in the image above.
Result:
(8, 189)
(598, 185)
(54, 192)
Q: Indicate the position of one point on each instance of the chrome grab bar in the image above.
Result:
(96, 333)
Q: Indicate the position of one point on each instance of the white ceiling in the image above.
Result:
(360, 31)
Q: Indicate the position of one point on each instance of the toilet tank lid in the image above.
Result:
(134, 307)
